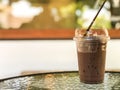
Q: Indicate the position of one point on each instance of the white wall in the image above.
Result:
(17, 56)
(113, 55)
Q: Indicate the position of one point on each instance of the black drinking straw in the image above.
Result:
(94, 18)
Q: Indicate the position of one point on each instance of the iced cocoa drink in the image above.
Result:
(91, 51)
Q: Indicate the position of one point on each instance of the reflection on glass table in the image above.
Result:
(59, 81)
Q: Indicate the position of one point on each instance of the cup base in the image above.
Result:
(91, 82)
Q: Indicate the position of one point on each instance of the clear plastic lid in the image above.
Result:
(101, 34)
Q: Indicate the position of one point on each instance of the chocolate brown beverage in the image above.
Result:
(91, 51)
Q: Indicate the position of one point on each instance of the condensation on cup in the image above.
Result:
(91, 51)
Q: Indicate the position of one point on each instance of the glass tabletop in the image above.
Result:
(59, 81)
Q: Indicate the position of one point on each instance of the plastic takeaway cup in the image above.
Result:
(91, 51)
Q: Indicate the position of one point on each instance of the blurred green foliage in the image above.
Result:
(62, 14)
(86, 5)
